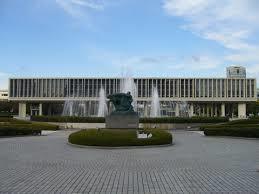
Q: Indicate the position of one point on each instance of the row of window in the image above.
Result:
(174, 88)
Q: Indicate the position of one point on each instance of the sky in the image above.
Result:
(149, 38)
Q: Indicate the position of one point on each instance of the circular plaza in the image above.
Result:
(195, 164)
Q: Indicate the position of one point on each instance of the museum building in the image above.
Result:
(177, 96)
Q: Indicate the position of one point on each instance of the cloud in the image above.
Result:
(78, 8)
(197, 63)
(229, 22)
(233, 24)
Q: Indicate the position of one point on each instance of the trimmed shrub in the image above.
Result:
(113, 137)
(239, 128)
(11, 120)
(13, 130)
(67, 119)
(25, 128)
(184, 120)
(235, 131)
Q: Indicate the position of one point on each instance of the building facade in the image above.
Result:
(177, 96)
(3, 95)
(236, 72)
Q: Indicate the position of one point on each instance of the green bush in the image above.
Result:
(243, 126)
(66, 119)
(184, 120)
(26, 128)
(233, 131)
(239, 128)
(13, 130)
(11, 120)
(254, 120)
(113, 138)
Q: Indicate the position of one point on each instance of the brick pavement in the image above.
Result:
(195, 164)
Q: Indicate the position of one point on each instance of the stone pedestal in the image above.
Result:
(127, 121)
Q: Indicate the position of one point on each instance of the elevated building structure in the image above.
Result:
(199, 96)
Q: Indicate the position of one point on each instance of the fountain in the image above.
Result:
(74, 108)
(128, 85)
(102, 106)
(155, 104)
(183, 109)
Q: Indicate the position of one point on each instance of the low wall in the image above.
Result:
(141, 125)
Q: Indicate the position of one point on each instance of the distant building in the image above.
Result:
(236, 72)
(257, 93)
(3, 95)
(198, 96)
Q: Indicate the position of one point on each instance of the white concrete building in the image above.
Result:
(236, 72)
(3, 95)
(199, 96)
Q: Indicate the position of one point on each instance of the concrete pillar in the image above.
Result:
(71, 110)
(145, 109)
(216, 110)
(223, 111)
(22, 110)
(177, 113)
(211, 110)
(40, 109)
(208, 110)
(191, 110)
(241, 110)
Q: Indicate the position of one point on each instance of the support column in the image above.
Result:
(177, 114)
(203, 110)
(49, 109)
(212, 110)
(71, 109)
(241, 110)
(223, 111)
(22, 110)
(191, 110)
(40, 109)
(145, 109)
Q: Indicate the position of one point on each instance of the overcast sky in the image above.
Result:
(162, 38)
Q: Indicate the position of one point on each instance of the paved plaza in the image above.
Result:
(195, 164)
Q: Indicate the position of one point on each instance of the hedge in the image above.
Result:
(10, 127)
(67, 119)
(243, 126)
(41, 126)
(239, 128)
(13, 130)
(254, 120)
(11, 120)
(235, 131)
(114, 138)
(184, 120)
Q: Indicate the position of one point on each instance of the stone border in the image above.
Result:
(121, 147)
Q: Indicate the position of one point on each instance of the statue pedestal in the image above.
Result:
(120, 121)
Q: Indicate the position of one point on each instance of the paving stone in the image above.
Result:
(195, 164)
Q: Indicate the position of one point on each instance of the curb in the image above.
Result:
(121, 147)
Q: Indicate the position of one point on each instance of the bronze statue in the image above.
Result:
(122, 103)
